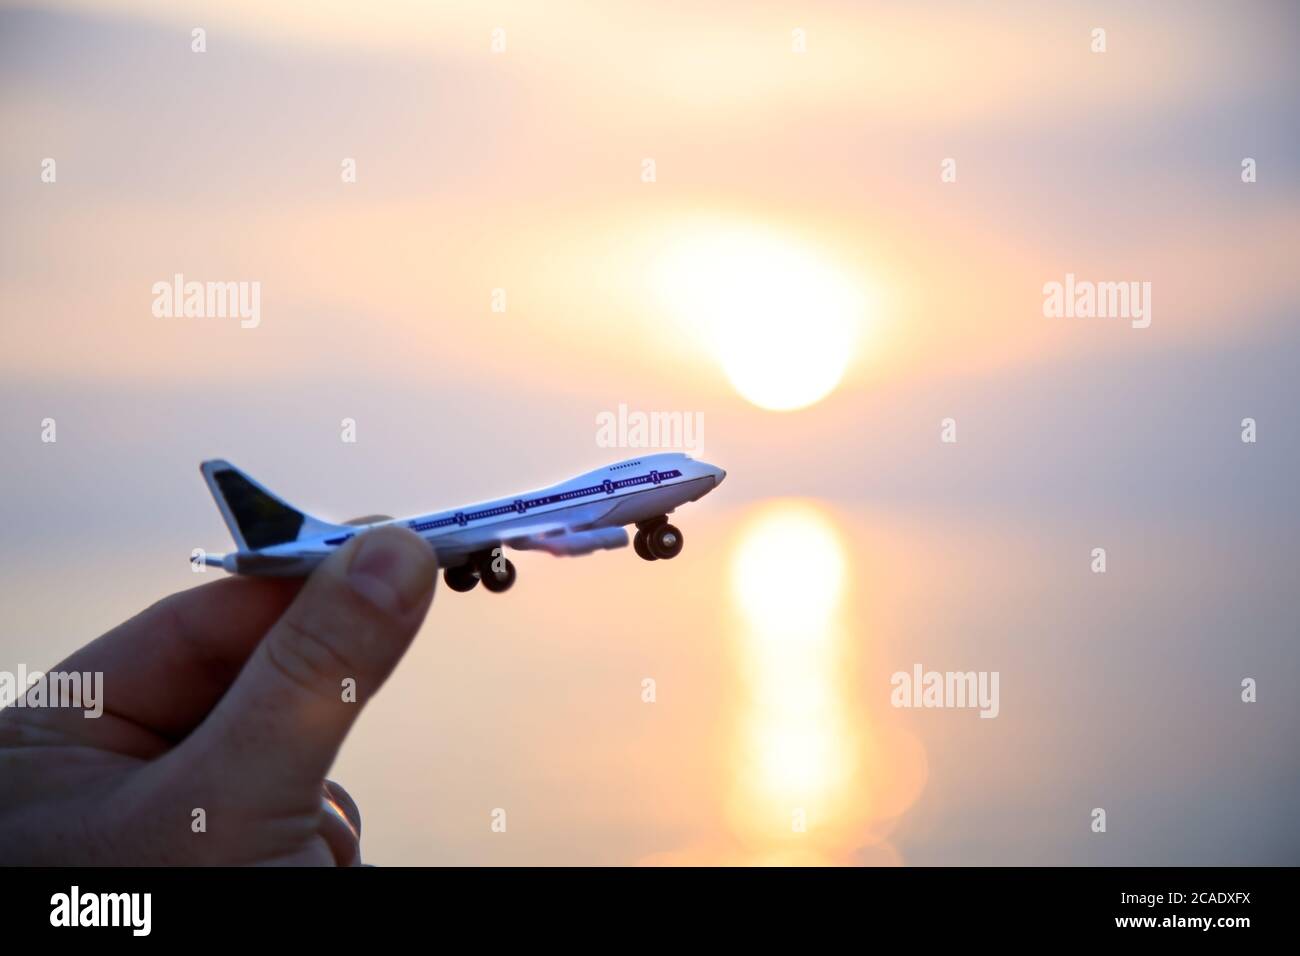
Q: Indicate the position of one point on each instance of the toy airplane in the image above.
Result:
(584, 514)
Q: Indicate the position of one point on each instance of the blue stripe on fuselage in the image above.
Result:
(523, 505)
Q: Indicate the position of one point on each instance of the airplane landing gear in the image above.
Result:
(657, 540)
(463, 578)
(641, 548)
(496, 571)
(665, 541)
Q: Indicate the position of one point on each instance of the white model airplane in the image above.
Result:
(578, 516)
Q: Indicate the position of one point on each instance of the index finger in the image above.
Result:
(164, 669)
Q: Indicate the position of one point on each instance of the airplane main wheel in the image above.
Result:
(641, 547)
(463, 578)
(664, 541)
(497, 574)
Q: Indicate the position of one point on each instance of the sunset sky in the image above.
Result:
(798, 273)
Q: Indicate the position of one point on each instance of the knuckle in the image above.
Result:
(309, 657)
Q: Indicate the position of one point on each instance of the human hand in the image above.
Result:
(228, 698)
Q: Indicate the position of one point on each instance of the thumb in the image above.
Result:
(283, 720)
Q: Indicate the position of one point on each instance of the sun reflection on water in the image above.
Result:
(813, 780)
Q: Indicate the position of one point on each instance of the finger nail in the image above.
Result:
(392, 569)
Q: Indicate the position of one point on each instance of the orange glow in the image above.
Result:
(813, 780)
(782, 324)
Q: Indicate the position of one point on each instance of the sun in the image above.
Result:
(781, 322)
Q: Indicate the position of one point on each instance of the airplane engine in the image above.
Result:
(577, 542)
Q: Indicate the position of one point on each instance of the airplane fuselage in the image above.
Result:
(570, 514)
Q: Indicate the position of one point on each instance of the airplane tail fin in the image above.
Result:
(256, 517)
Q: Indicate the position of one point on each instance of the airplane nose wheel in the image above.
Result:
(641, 548)
(663, 541)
